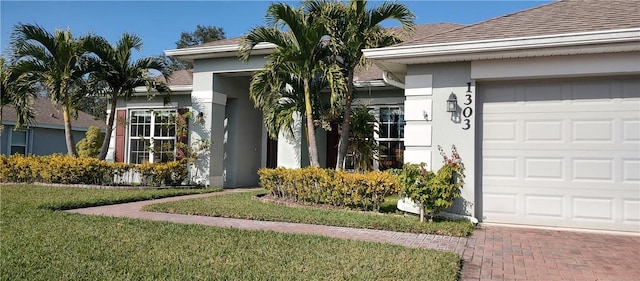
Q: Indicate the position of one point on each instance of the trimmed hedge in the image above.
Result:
(64, 169)
(315, 185)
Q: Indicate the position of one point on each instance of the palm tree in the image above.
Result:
(17, 95)
(301, 53)
(362, 145)
(54, 61)
(119, 75)
(280, 96)
(352, 27)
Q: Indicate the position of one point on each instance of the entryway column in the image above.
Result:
(209, 111)
(292, 150)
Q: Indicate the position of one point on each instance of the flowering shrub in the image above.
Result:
(338, 188)
(434, 191)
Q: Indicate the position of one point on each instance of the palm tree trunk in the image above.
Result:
(346, 124)
(68, 134)
(311, 132)
(107, 135)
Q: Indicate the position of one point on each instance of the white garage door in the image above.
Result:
(562, 153)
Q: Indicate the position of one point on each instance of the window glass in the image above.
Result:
(152, 136)
(19, 142)
(391, 137)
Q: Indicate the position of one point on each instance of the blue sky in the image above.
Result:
(160, 23)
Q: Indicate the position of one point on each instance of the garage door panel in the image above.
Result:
(500, 131)
(631, 211)
(621, 105)
(631, 131)
(548, 206)
(562, 168)
(562, 154)
(549, 169)
(501, 203)
(630, 171)
(592, 209)
(548, 131)
(500, 167)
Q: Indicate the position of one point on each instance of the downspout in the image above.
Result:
(453, 216)
(386, 77)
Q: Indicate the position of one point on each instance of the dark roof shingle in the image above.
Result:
(561, 17)
(182, 78)
(372, 72)
(47, 114)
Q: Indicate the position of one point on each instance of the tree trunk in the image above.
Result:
(311, 132)
(107, 135)
(68, 134)
(346, 124)
(421, 212)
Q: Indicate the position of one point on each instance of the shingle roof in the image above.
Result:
(561, 17)
(182, 77)
(372, 72)
(47, 114)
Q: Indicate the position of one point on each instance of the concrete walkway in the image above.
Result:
(491, 253)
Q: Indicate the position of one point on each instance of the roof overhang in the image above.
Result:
(174, 89)
(396, 59)
(222, 51)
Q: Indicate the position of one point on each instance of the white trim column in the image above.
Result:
(418, 113)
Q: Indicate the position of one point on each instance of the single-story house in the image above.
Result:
(46, 135)
(542, 104)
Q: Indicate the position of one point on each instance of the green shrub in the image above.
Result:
(338, 188)
(157, 174)
(434, 191)
(57, 168)
(91, 144)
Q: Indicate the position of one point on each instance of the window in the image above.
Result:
(391, 137)
(19, 140)
(152, 136)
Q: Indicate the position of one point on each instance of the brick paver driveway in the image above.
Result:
(491, 253)
(510, 253)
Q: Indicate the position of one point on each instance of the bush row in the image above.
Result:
(64, 169)
(338, 188)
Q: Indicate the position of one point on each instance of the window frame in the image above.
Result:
(401, 124)
(27, 141)
(151, 157)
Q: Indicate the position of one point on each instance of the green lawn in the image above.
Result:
(241, 205)
(37, 243)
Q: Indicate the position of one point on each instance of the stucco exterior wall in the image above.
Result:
(429, 124)
(41, 141)
(243, 133)
(4, 139)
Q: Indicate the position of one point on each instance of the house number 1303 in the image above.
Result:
(467, 112)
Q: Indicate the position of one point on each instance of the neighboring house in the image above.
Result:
(546, 113)
(46, 135)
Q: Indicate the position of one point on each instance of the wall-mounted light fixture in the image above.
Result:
(452, 103)
(199, 118)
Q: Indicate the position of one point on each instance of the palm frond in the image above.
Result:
(391, 10)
